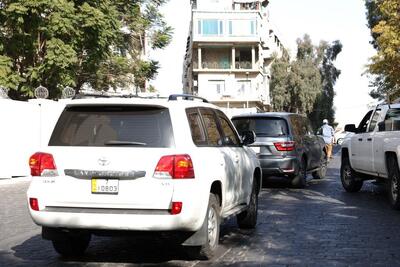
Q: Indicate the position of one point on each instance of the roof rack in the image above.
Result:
(103, 94)
(186, 97)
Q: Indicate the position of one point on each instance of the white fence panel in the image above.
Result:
(25, 128)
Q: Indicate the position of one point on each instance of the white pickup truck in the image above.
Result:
(373, 152)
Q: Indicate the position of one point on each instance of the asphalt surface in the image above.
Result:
(320, 225)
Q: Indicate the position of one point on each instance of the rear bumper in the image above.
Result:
(106, 212)
(118, 222)
(280, 166)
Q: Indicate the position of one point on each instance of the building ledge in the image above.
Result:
(228, 71)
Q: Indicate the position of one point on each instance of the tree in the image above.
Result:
(384, 20)
(306, 84)
(295, 85)
(323, 106)
(57, 43)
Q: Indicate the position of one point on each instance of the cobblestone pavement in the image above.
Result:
(318, 226)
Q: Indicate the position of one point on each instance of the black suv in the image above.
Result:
(285, 145)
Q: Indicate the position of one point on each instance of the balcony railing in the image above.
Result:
(222, 65)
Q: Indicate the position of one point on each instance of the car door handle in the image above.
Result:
(369, 139)
(359, 139)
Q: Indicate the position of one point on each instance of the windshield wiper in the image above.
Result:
(123, 143)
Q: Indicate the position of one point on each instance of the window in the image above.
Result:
(243, 87)
(230, 136)
(218, 87)
(262, 126)
(210, 27)
(210, 124)
(242, 27)
(198, 135)
(374, 120)
(392, 120)
(112, 125)
(298, 125)
(362, 127)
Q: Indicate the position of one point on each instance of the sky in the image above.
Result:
(327, 20)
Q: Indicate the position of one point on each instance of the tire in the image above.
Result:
(348, 177)
(72, 244)
(248, 218)
(213, 220)
(321, 172)
(299, 180)
(394, 183)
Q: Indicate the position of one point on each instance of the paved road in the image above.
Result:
(318, 226)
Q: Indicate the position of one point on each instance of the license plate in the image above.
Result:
(105, 186)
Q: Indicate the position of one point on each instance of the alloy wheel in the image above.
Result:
(394, 187)
(212, 226)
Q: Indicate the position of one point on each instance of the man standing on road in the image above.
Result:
(328, 134)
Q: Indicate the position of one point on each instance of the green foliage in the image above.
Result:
(323, 106)
(295, 85)
(305, 85)
(384, 20)
(57, 43)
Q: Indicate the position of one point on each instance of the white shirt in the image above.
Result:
(327, 133)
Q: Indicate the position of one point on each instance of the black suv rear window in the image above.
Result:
(268, 126)
(113, 125)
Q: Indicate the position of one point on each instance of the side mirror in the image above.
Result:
(381, 126)
(248, 137)
(350, 128)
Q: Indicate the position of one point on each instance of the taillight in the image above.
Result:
(42, 164)
(175, 167)
(34, 204)
(176, 208)
(285, 146)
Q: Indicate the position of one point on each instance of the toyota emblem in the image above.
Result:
(103, 161)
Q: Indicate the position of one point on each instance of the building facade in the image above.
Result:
(229, 53)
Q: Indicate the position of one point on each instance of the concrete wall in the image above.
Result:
(25, 128)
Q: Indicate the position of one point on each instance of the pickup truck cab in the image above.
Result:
(373, 151)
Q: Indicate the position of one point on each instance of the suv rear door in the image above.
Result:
(313, 145)
(230, 158)
(112, 144)
(243, 169)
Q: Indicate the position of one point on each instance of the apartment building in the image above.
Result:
(229, 54)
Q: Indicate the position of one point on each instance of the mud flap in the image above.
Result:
(199, 237)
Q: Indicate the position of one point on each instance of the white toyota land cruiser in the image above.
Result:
(157, 165)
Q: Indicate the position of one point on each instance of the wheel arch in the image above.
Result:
(216, 189)
(258, 178)
(388, 155)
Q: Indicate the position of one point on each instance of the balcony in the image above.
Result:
(226, 26)
(226, 59)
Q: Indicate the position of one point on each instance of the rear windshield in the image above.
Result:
(139, 126)
(268, 127)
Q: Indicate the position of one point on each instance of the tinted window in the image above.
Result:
(374, 120)
(296, 124)
(266, 126)
(230, 137)
(308, 127)
(210, 124)
(113, 126)
(362, 127)
(198, 135)
(392, 120)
